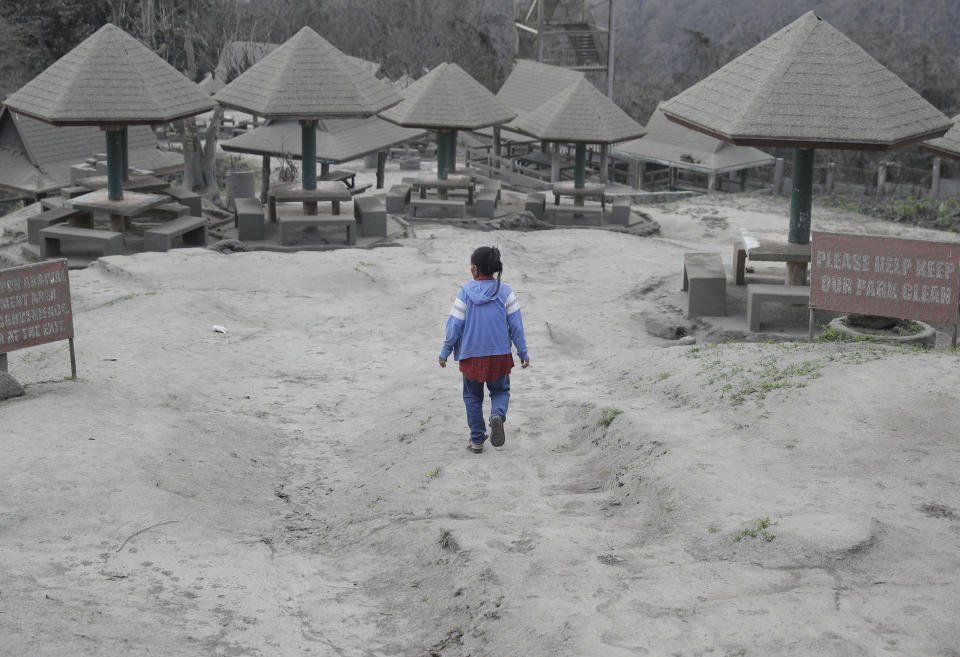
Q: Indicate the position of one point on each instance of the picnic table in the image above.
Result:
(443, 185)
(766, 247)
(348, 178)
(142, 183)
(131, 205)
(589, 190)
(329, 191)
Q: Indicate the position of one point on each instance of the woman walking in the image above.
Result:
(484, 320)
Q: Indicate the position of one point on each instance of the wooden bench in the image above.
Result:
(766, 248)
(556, 212)
(36, 223)
(621, 211)
(398, 197)
(289, 222)
(191, 231)
(705, 281)
(53, 239)
(371, 214)
(248, 218)
(459, 206)
(760, 293)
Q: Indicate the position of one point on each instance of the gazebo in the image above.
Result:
(580, 115)
(948, 145)
(806, 87)
(308, 80)
(338, 140)
(111, 80)
(446, 100)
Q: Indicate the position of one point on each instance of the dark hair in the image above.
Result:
(487, 260)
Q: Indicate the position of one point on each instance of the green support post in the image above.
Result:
(442, 149)
(114, 163)
(126, 154)
(308, 137)
(580, 166)
(802, 197)
(452, 154)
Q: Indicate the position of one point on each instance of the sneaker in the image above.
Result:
(496, 431)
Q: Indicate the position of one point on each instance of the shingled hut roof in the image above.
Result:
(447, 97)
(338, 140)
(579, 114)
(671, 144)
(807, 86)
(109, 79)
(531, 84)
(307, 78)
(948, 144)
(35, 157)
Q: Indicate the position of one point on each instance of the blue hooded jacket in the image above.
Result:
(483, 322)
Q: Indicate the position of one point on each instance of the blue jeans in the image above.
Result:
(473, 399)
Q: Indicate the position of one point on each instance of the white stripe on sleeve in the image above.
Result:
(512, 304)
(459, 309)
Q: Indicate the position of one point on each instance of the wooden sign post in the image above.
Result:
(35, 308)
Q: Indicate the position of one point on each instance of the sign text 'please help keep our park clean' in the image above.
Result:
(884, 276)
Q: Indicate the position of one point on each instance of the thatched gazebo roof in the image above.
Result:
(338, 140)
(580, 114)
(109, 79)
(307, 78)
(807, 86)
(949, 143)
(448, 97)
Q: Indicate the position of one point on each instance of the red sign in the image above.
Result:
(885, 276)
(34, 305)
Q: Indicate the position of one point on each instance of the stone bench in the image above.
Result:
(398, 197)
(359, 189)
(486, 202)
(54, 238)
(620, 214)
(248, 218)
(36, 223)
(760, 293)
(185, 197)
(457, 206)
(557, 213)
(705, 281)
(191, 231)
(289, 222)
(535, 204)
(371, 214)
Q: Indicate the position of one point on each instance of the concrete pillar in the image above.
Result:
(935, 178)
(555, 162)
(264, 178)
(778, 176)
(381, 168)
(611, 59)
(497, 147)
(831, 175)
(114, 163)
(711, 182)
(743, 179)
(604, 162)
(125, 149)
(672, 186)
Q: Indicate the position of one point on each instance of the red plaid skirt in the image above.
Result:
(486, 368)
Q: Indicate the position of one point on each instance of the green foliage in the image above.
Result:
(607, 415)
(923, 211)
(759, 529)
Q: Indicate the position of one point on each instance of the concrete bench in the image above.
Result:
(705, 281)
(568, 214)
(398, 197)
(36, 223)
(54, 238)
(486, 202)
(535, 204)
(290, 222)
(620, 214)
(760, 293)
(191, 231)
(73, 192)
(359, 189)
(166, 211)
(248, 218)
(185, 197)
(371, 214)
(457, 207)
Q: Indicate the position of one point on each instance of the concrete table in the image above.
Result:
(131, 205)
(589, 190)
(765, 247)
(332, 192)
(146, 184)
(443, 185)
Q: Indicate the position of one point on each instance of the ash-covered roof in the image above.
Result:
(949, 144)
(109, 79)
(307, 78)
(807, 86)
